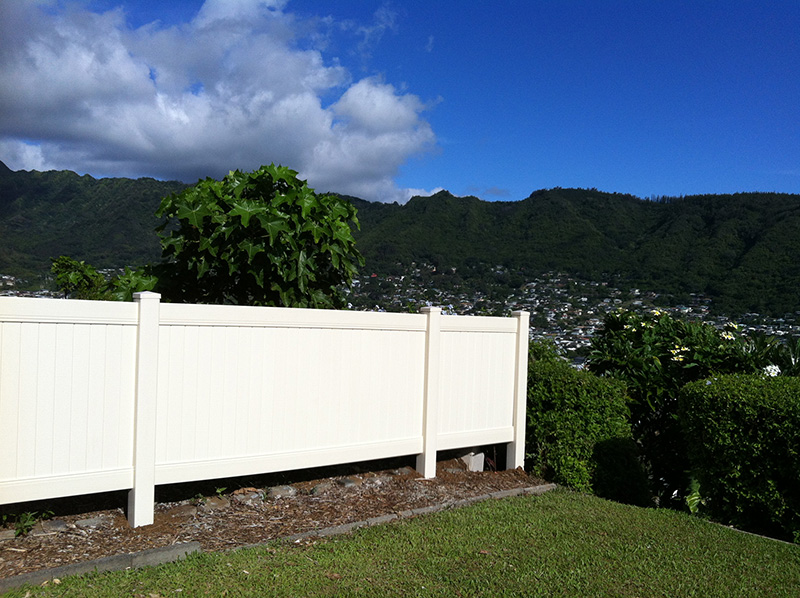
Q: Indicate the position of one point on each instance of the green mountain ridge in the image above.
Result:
(741, 249)
(107, 222)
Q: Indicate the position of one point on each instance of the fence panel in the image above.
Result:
(66, 397)
(476, 387)
(264, 389)
(98, 396)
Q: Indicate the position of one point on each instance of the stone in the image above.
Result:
(321, 488)
(403, 471)
(7, 534)
(473, 461)
(281, 492)
(250, 499)
(49, 526)
(382, 519)
(182, 512)
(215, 503)
(350, 482)
(91, 523)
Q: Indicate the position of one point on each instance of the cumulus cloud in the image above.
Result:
(233, 88)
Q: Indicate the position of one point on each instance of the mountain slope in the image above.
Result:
(742, 250)
(739, 249)
(107, 222)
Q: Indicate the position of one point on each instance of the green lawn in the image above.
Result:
(558, 544)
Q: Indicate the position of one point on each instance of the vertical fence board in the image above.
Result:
(95, 354)
(45, 401)
(62, 410)
(79, 404)
(28, 401)
(10, 369)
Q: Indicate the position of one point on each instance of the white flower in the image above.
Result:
(772, 370)
(679, 352)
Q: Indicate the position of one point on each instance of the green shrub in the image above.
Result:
(569, 413)
(744, 445)
(545, 350)
(655, 355)
(78, 280)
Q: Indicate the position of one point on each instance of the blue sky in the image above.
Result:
(388, 99)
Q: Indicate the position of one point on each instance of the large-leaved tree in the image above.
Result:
(254, 238)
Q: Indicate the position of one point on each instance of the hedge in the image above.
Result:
(578, 433)
(743, 434)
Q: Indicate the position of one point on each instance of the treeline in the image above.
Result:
(741, 250)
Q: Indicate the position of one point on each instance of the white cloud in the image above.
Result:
(230, 89)
(18, 155)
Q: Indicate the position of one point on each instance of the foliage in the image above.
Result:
(568, 414)
(133, 281)
(545, 350)
(260, 238)
(786, 356)
(745, 450)
(25, 521)
(78, 280)
(655, 355)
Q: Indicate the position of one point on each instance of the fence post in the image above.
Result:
(426, 461)
(141, 499)
(515, 451)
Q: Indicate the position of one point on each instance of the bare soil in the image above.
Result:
(243, 513)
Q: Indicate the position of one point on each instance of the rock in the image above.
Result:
(215, 503)
(90, 523)
(403, 471)
(182, 512)
(321, 488)
(473, 461)
(7, 534)
(350, 482)
(281, 491)
(50, 526)
(251, 499)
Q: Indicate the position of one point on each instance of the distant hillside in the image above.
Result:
(743, 250)
(107, 222)
(739, 249)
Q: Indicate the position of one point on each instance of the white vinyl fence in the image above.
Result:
(98, 396)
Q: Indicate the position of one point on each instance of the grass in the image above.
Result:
(559, 544)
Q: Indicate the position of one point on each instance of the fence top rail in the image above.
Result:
(72, 311)
(478, 324)
(75, 311)
(173, 314)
